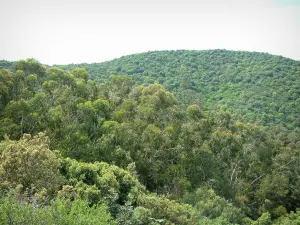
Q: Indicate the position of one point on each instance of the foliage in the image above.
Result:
(58, 212)
(132, 146)
(209, 205)
(28, 165)
(257, 87)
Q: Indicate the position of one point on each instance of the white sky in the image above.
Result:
(74, 31)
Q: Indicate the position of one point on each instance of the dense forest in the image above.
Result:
(172, 137)
(254, 87)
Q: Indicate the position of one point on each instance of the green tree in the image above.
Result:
(57, 212)
(81, 73)
(5, 84)
(28, 165)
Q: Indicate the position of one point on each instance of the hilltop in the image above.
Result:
(255, 87)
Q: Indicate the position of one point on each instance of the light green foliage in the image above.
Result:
(32, 83)
(105, 180)
(126, 111)
(264, 219)
(194, 111)
(59, 212)
(30, 66)
(142, 215)
(291, 219)
(60, 77)
(168, 211)
(156, 105)
(208, 204)
(28, 165)
(81, 73)
(116, 88)
(98, 182)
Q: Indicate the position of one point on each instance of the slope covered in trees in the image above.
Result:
(74, 150)
(257, 87)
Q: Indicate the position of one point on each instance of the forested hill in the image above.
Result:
(6, 64)
(76, 151)
(258, 87)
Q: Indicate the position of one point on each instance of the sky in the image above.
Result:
(77, 31)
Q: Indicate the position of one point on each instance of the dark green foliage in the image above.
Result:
(6, 64)
(257, 87)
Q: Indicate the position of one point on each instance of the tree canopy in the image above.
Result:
(124, 150)
(254, 87)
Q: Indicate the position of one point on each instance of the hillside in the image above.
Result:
(4, 64)
(255, 87)
(115, 152)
